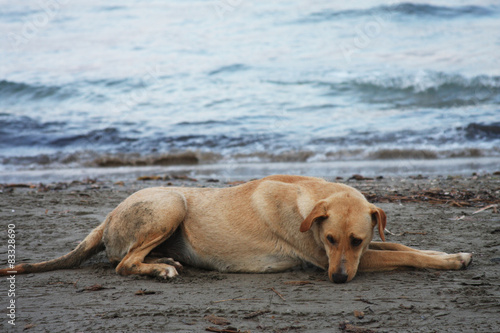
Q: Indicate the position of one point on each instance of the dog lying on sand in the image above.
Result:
(266, 225)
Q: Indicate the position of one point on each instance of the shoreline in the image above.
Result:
(439, 213)
(235, 171)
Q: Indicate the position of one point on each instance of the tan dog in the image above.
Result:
(267, 225)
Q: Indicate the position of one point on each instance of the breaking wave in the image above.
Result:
(425, 89)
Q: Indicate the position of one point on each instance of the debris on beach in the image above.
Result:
(28, 185)
(359, 177)
(256, 314)
(166, 177)
(221, 321)
(297, 283)
(142, 292)
(277, 293)
(145, 178)
(359, 314)
(28, 326)
(451, 197)
(454, 191)
(494, 207)
(95, 287)
(225, 330)
(345, 326)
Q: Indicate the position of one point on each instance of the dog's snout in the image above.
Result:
(339, 278)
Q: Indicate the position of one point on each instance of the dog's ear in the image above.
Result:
(379, 218)
(318, 213)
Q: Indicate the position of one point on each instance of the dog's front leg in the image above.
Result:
(385, 260)
(399, 247)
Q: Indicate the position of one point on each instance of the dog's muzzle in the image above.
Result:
(339, 278)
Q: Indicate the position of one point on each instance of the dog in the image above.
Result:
(267, 225)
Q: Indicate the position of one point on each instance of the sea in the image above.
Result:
(239, 88)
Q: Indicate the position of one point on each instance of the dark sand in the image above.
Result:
(50, 220)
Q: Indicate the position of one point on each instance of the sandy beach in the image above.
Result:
(426, 213)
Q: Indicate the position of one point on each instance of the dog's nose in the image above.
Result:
(339, 278)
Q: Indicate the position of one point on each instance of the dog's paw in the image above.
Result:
(465, 259)
(168, 261)
(458, 260)
(167, 272)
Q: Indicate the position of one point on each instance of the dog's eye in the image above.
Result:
(356, 242)
(330, 239)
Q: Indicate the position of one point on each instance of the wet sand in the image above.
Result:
(51, 219)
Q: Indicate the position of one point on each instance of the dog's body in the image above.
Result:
(268, 225)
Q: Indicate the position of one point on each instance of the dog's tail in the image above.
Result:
(91, 245)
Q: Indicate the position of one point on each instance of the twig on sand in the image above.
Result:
(297, 283)
(390, 233)
(221, 321)
(223, 330)
(495, 210)
(142, 292)
(345, 326)
(256, 314)
(237, 299)
(277, 293)
(414, 233)
(95, 287)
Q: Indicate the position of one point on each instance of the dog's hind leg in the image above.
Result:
(141, 223)
(134, 262)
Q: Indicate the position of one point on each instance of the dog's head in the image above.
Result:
(343, 223)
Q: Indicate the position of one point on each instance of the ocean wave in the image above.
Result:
(13, 124)
(102, 137)
(91, 91)
(483, 132)
(423, 89)
(24, 131)
(15, 90)
(27, 132)
(440, 92)
(89, 158)
(407, 9)
(12, 14)
(268, 144)
(229, 69)
(182, 158)
(207, 123)
(438, 139)
(19, 131)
